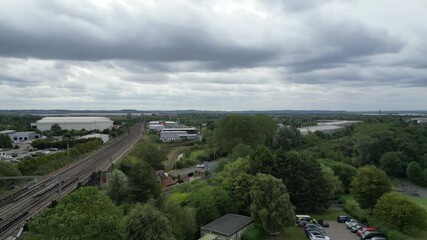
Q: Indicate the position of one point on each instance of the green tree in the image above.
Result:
(345, 172)
(8, 169)
(145, 222)
(240, 193)
(392, 164)
(400, 213)
(5, 141)
(235, 129)
(151, 154)
(262, 159)
(287, 138)
(369, 185)
(415, 173)
(241, 150)
(56, 130)
(118, 186)
(210, 203)
(305, 181)
(271, 207)
(181, 219)
(84, 214)
(143, 183)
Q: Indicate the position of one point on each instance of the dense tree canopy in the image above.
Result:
(369, 185)
(145, 222)
(143, 183)
(400, 213)
(182, 219)
(392, 164)
(235, 129)
(5, 141)
(414, 173)
(305, 181)
(84, 214)
(118, 186)
(270, 204)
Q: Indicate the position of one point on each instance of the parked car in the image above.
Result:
(370, 235)
(350, 221)
(350, 225)
(342, 219)
(312, 225)
(379, 238)
(323, 223)
(317, 236)
(360, 231)
(302, 224)
(309, 229)
(356, 227)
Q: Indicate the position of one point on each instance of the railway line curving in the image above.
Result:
(22, 204)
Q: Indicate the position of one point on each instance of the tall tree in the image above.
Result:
(270, 203)
(400, 213)
(118, 186)
(240, 193)
(5, 141)
(392, 164)
(369, 185)
(84, 214)
(262, 159)
(143, 183)
(181, 219)
(415, 174)
(305, 181)
(145, 222)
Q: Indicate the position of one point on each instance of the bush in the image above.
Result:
(353, 209)
(256, 233)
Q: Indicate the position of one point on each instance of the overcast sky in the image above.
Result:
(213, 54)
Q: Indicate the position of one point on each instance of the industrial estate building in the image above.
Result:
(171, 131)
(75, 123)
(17, 137)
(227, 227)
(160, 125)
(173, 134)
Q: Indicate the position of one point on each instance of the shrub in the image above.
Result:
(256, 233)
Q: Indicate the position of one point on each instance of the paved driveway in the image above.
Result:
(338, 231)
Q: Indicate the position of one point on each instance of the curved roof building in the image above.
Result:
(76, 123)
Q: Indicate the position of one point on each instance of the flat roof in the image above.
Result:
(228, 224)
(73, 119)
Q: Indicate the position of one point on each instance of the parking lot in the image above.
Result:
(338, 231)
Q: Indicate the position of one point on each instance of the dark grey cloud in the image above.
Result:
(210, 54)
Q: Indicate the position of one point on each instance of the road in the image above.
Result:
(22, 204)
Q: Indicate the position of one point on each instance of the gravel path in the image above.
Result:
(338, 231)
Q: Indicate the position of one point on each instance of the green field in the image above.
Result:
(422, 202)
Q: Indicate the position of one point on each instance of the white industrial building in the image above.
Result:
(174, 134)
(160, 125)
(17, 137)
(76, 123)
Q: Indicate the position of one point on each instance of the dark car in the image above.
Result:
(342, 219)
(302, 224)
(370, 235)
(323, 223)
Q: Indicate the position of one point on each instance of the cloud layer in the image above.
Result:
(215, 55)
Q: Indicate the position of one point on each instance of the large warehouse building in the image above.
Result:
(76, 123)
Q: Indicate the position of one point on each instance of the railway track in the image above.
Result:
(22, 204)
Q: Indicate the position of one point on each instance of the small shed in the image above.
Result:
(228, 227)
